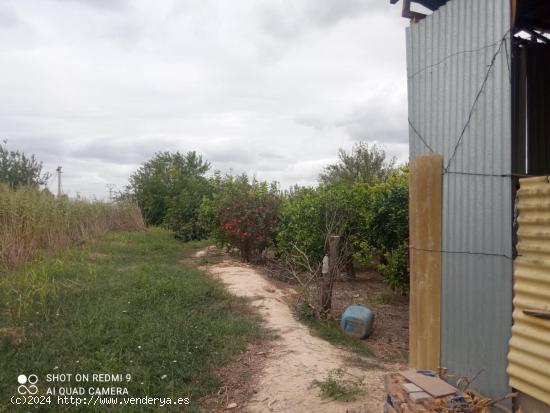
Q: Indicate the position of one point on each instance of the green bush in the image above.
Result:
(386, 216)
(309, 215)
(301, 231)
(183, 210)
(396, 270)
(169, 189)
(242, 214)
(384, 229)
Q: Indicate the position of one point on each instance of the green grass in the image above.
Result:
(330, 331)
(338, 386)
(130, 303)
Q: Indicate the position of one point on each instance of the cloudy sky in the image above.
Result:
(269, 87)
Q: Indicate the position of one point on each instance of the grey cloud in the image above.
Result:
(114, 5)
(272, 90)
(8, 17)
(287, 18)
(312, 121)
(377, 119)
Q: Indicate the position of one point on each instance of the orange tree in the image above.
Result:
(242, 213)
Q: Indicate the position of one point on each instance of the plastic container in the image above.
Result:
(357, 321)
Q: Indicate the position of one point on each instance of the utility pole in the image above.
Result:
(110, 187)
(59, 190)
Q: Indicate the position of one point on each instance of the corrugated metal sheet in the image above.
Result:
(529, 356)
(448, 56)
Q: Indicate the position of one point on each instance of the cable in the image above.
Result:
(480, 91)
(508, 64)
(420, 136)
(488, 175)
(451, 56)
(487, 254)
(501, 42)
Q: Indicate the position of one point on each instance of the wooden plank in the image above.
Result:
(431, 385)
(425, 217)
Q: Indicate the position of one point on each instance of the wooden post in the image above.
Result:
(425, 226)
(327, 280)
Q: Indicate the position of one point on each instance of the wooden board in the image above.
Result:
(431, 385)
(425, 218)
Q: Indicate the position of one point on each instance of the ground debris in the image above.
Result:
(399, 400)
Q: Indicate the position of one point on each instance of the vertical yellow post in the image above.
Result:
(425, 215)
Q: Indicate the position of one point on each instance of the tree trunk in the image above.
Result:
(327, 280)
(350, 269)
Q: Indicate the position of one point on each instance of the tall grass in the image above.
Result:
(34, 223)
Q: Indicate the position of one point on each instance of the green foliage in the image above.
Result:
(338, 386)
(169, 189)
(309, 215)
(242, 214)
(123, 304)
(302, 228)
(387, 213)
(17, 169)
(396, 268)
(365, 164)
(384, 228)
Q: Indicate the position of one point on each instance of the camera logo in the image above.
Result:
(27, 384)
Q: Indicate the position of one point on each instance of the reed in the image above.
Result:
(35, 223)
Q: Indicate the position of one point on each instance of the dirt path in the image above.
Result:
(297, 358)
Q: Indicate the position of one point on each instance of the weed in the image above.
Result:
(138, 310)
(340, 385)
(363, 363)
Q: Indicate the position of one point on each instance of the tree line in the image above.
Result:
(362, 198)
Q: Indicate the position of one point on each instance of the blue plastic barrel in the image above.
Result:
(357, 321)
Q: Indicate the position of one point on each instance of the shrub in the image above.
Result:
(386, 216)
(242, 214)
(301, 232)
(396, 270)
(183, 209)
(384, 229)
(169, 188)
(309, 215)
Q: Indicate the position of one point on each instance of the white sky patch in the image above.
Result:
(271, 88)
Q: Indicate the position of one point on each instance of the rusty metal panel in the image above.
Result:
(529, 357)
(449, 54)
(425, 196)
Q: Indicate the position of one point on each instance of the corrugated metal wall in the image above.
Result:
(530, 344)
(449, 54)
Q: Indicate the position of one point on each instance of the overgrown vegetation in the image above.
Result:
(125, 304)
(340, 385)
(33, 222)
